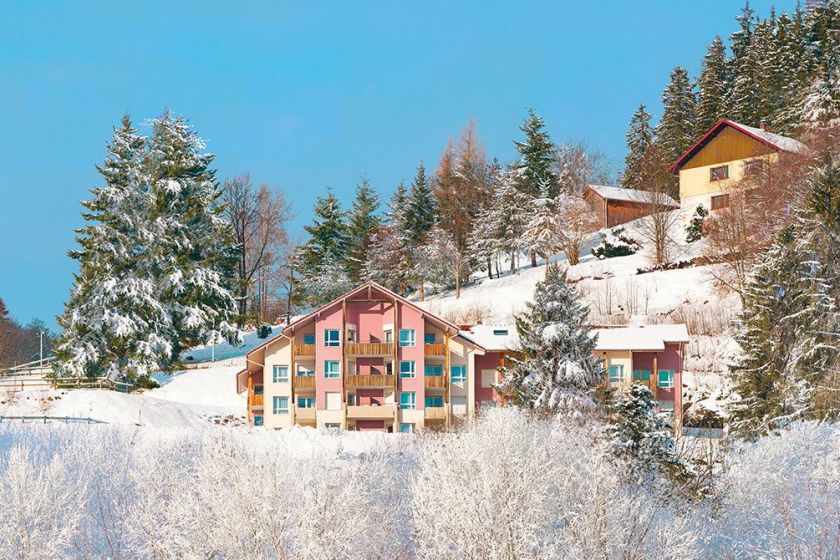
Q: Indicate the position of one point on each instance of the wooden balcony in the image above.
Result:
(370, 348)
(436, 349)
(434, 381)
(303, 382)
(373, 412)
(304, 349)
(256, 401)
(435, 412)
(304, 414)
(373, 380)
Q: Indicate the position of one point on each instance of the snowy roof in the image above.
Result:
(648, 337)
(492, 337)
(775, 141)
(628, 195)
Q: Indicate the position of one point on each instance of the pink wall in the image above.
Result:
(367, 366)
(490, 360)
(329, 318)
(670, 358)
(410, 318)
(370, 425)
(369, 318)
(370, 396)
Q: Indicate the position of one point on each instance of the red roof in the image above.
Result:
(775, 141)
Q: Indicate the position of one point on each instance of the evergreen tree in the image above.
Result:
(327, 250)
(192, 255)
(555, 368)
(543, 231)
(640, 137)
(789, 329)
(536, 157)
(820, 106)
(675, 132)
(389, 263)
(421, 212)
(642, 439)
(712, 86)
(694, 229)
(364, 221)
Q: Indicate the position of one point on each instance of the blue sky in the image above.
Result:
(309, 94)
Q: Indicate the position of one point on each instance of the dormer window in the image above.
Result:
(719, 173)
(500, 332)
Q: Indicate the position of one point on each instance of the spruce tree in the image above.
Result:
(675, 132)
(421, 211)
(543, 231)
(640, 137)
(694, 229)
(554, 368)
(536, 158)
(364, 221)
(820, 107)
(326, 252)
(712, 86)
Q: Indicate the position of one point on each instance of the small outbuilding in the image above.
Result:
(615, 205)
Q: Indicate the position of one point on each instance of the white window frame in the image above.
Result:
(620, 368)
(671, 377)
(309, 400)
(275, 405)
(328, 340)
(412, 338)
(409, 426)
(462, 378)
(412, 373)
(410, 405)
(278, 379)
(328, 373)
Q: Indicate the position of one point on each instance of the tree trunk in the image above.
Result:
(533, 259)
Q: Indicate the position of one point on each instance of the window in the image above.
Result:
(408, 400)
(488, 378)
(281, 405)
(753, 167)
(666, 378)
(309, 339)
(407, 369)
(433, 370)
(666, 406)
(719, 173)
(406, 428)
(332, 426)
(331, 369)
(720, 201)
(500, 332)
(641, 375)
(488, 404)
(458, 374)
(459, 405)
(332, 337)
(407, 338)
(258, 420)
(434, 402)
(616, 374)
(351, 335)
(351, 399)
(429, 338)
(306, 402)
(333, 401)
(304, 372)
(281, 374)
(389, 368)
(389, 336)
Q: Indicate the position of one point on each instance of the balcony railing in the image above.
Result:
(302, 413)
(303, 382)
(435, 413)
(371, 411)
(372, 380)
(256, 400)
(434, 381)
(370, 348)
(304, 349)
(436, 349)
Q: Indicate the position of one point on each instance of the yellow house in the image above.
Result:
(722, 157)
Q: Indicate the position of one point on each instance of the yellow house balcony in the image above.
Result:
(434, 350)
(303, 414)
(435, 412)
(434, 381)
(304, 350)
(372, 412)
(303, 382)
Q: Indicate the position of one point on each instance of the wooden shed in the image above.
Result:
(615, 205)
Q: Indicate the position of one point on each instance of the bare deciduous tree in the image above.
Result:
(578, 222)
(657, 228)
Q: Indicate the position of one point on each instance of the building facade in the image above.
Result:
(722, 158)
(615, 206)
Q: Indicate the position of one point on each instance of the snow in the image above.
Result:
(782, 142)
(225, 350)
(493, 337)
(647, 337)
(629, 195)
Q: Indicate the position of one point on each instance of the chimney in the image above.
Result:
(762, 126)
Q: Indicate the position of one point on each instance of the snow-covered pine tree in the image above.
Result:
(694, 229)
(364, 221)
(820, 107)
(554, 368)
(114, 323)
(712, 86)
(443, 263)
(191, 255)
(640, 137)
(739, 43)
(389, 263)
(328, 247)
(675, 132)
(543, 230)
(536, 157)
(642, 439)
(421, 213)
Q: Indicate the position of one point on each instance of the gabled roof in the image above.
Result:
(493, 337)
(630, 195)
(648, 337)
(775, 141)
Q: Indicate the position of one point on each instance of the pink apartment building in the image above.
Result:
(372, 360)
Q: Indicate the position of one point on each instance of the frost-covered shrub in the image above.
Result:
(147, 382)
(694, 229)
(264, 330)
(616, 243)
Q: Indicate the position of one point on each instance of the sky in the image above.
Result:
(305, 95)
